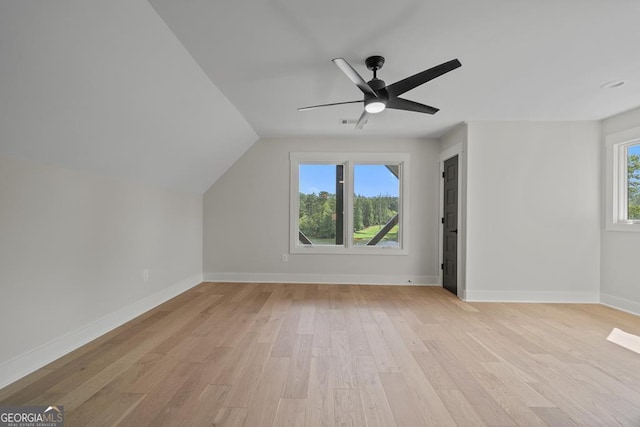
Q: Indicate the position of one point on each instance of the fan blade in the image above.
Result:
(402, 86)
(364, 118)
(405, 104)
(354, 76)
(328, 105)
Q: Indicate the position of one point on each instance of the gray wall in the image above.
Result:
(246, 219)
(533, 211)
(73, 248)
(620, 281)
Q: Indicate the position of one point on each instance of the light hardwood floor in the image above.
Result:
(322, 355)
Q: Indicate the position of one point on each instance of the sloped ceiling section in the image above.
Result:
(105, 87)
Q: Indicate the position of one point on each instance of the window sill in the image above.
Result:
(328, 250)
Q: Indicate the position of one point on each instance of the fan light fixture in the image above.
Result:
(374, 106)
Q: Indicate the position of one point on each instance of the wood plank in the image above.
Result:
(517, 410)
(270, 330)
(244, 384)
(404, 407)
(283, 346)
(432, 408)
(23, 383)
(554, 417)
(461, 410)
(307, 320)
(300, 364)
(348, 408)
(256, 304)
(184, 400)
(205, 409)
(112, 407)
(516, 386)
(264, 403)
(291, 413)
(343, 369)
(322, 327)
(231, 417)
(411, 340)
(230, 368)
(380, 349)
(433, 371)
(374, 400)
(320, 400)
(488, 409)
(357, 338)
(148, 408)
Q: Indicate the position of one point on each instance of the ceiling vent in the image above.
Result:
(348, 121)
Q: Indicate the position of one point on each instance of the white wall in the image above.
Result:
(620, 282)
(454, 136)
(72, 251)
(246, 219)
(533, 211)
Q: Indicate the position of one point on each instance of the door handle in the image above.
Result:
(454, 231)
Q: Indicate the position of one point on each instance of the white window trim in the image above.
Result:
(349, 160)
(616, 180)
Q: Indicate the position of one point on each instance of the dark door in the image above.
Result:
(450, 227)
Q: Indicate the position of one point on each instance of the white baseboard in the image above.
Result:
(623, 304)
(28, 362)
(531, 296)
(344, 279)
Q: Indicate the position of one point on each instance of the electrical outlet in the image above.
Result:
(145, 275)
(285, 257)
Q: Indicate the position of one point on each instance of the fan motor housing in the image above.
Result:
(380, 88)
(376, 84)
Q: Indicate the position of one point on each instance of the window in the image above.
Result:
(349, 203)
(376, 198)
(623, 181)
(321, 204)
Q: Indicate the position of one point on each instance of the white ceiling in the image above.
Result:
(522, 60)
(173, 92)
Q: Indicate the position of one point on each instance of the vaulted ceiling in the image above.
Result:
(173, 92)
(522, 60)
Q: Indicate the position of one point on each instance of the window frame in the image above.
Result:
(349, 160)
(616, 180)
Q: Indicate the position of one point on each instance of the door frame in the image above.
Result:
(456, 150)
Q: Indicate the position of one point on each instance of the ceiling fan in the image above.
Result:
(378, 96)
